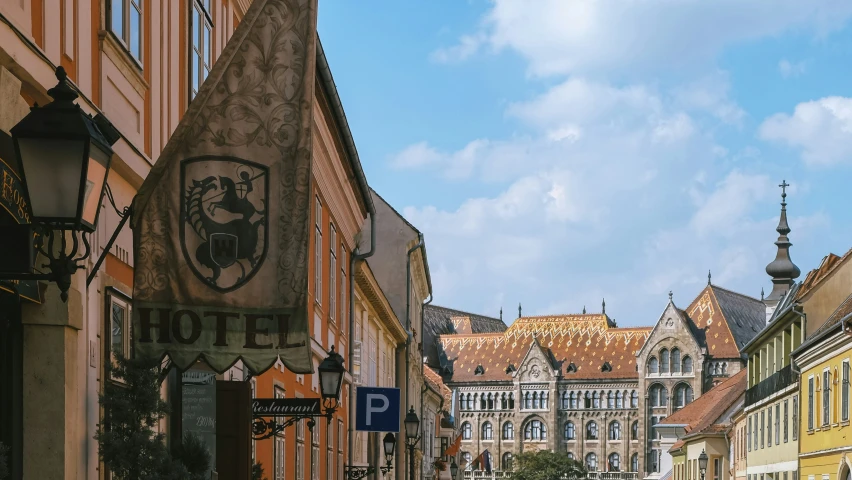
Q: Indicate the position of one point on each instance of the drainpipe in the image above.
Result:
(352, 259)
(408, 322)
(793, 367)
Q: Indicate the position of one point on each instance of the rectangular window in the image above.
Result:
(754, 432)
(202, 49)
(762, 428)
(795, 418)
(332, 277)
(125, 21)
(769, 427)
(318, 253)
(844, 393)
(278, 446)
(118, 309)
(300, 450)
(778, 423)
(786, 416)
(717, 468)
(826, 397)
(811, 402)
(748, 437)
(343, 314)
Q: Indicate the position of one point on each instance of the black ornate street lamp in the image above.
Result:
(454, 469)
(412, 430)
(330, 373)
(702, 463)
(64, 155)
(354, 472)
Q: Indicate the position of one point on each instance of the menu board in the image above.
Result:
(199, 408)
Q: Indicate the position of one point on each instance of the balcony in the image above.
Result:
(497, 474)
(776, 382)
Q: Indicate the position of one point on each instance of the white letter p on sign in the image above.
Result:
(370, 408)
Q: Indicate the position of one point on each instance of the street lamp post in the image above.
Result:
(702, 463)
(454, 469)
(330, 378)
(64, 155)
(412, 430)
(354, 472)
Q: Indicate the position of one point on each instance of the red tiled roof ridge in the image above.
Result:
(599, 316)
(697, 414)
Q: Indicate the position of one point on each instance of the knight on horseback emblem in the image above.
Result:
(224, 210)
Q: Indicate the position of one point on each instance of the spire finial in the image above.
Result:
(670, 295)
(761, 294)
(501, 313)
(709, 277)
(782, 270)
(584, 309)
(603, 306)
(519, 310)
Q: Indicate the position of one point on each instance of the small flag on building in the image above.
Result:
(220, 225)
(453, 449)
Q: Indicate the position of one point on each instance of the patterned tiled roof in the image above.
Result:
(587, 341)
(725, 321)
(441, 320)
(701, 415)
(434, 380)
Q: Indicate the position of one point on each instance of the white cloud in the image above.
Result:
(788, 69)
(582, 36)
(821, 129)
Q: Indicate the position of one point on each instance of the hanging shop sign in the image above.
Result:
(14, 202)
(285, 407)
(220, 233)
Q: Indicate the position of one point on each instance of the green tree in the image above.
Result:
(546, 465)
(195, 456)
(128, 444)
(257, 471)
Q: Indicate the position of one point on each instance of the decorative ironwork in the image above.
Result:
(774, 383)
(355, 472)
(267, 426)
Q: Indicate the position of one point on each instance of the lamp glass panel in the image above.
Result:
(329, 383)
(96, 177)
(52, 169)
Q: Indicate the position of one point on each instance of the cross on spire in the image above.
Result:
(670, 295)
(784, 186)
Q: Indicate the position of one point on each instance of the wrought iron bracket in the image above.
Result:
(267, 426)
(354, 472)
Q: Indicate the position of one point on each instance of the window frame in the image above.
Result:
(844, 390)
(826, 397)
(332, 268)
(115, 296)
(811, 406)
(487, 431)
(206, 53)
(123, 37)
(777, 424)
(318, 224)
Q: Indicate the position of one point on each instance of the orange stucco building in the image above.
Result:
(140, 62)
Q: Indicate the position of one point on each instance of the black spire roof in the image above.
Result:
(782, 270)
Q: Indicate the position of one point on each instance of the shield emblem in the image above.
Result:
(223, 219)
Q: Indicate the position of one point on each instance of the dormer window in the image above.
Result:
(511, 368)
(571, 368)
(479, 370)
(606, 367)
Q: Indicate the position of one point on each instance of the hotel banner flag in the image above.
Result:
(220, 225)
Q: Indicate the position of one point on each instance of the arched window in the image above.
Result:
(463, 402)
(564, 404)
(682, 395)
(490, 402)
(592, 462)
(506, 464)
(569, 430)
(470, 401)
(664, 361)
(634, 399)
(614, 430)
(634, 431)
(575, 400)
(724, 368)
(653, 365)
(614, 462)
(687, 364)
(675, 360)
(467, 458)
(591, 430)
(467, 430)
(508, 431)
(610, 400)
(504, 404)
(543, 400)
(658, 396)
(571, 455)
(535, 430)
(588, 400)
(535, 400)
(634, 463)
(618, 400)
(527, 400)
(487, 431)
(482, 404)
(596, 400)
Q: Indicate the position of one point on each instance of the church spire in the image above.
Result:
(501, 314)
(519, 310)
(782, 270)
(603, 306)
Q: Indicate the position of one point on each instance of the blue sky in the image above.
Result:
(557, 152)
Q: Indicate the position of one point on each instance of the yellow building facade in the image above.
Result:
(825, 443)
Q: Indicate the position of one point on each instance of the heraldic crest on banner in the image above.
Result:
(221, 223)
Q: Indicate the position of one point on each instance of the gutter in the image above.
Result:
(794, 307)
(811, 341)
(327, 82)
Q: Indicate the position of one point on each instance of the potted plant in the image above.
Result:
(440, 465)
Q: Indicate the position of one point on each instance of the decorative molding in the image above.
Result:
(123, 61)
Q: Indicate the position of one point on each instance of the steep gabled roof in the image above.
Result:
(439, 321)
(586, 340)
(702, 415)
(816, 276)
(724, 321)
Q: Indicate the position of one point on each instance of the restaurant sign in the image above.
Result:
(285, 407)
(14, 201)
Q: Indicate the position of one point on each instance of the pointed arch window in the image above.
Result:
(592, 462)
(482, 403)
(564, 403)
(569, 432)
(610, 400)
(634, 399)
(487, 431)
(683, 395)
(527, 400)
(591, 430)
(535, 403)
(508, 431)
(588, 400)
(467, 431)
(614, 430)
(614, 462)
(512, 401)
(490, 402)
(653, 365)
(658, 396)
(664, 361)
(619, 400)
(687, 364)
(675, 360)
(504, 403)
(634, 430)
(596, 400)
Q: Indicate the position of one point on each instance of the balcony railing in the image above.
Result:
(776, 382)
(497, 474)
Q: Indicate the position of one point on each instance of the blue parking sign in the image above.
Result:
(376, 409)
